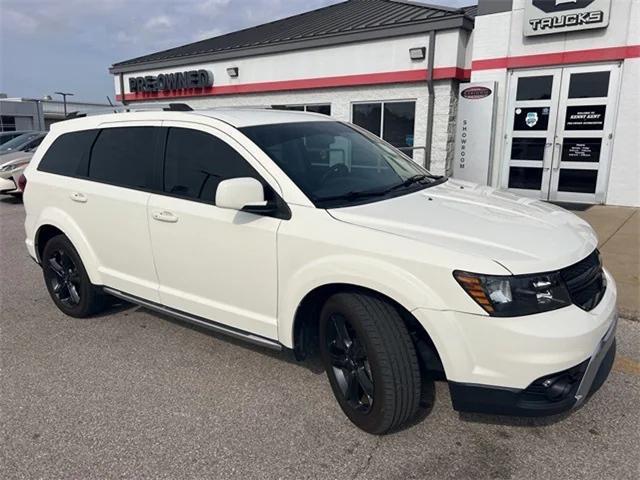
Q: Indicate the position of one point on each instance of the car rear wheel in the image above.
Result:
(67, 280)
(370, 361)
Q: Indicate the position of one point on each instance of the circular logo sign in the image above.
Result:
(475, 93)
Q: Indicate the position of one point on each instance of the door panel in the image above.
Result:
(584, 133)
(216, 263)
(559, 132)
(114, 222)
(112, 217)
(532, 114)
(212, 262)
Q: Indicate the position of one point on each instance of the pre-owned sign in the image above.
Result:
(171, 81)
(476, 107)
(542, 17)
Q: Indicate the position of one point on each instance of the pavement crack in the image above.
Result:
(617, 229)
(367, 462)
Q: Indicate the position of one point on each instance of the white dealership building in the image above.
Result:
(540, 97)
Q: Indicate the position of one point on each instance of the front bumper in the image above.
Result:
(512, 353)
(548, 395)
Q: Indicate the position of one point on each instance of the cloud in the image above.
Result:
(160, 22)
(70, 44)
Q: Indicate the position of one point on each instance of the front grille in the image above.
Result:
(585, 281)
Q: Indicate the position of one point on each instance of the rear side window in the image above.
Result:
(124, 156)
(196, 162)
(69, 153)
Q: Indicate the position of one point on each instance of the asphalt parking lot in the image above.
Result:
(132, 394)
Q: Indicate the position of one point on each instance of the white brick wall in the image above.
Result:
(624, 174)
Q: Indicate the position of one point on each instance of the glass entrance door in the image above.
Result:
(560, 133)
(531, 131)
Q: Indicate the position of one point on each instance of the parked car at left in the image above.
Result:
(22, 143)
(11, 167)
(7, 136)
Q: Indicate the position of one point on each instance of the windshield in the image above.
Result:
(19, 143)
(335, 164)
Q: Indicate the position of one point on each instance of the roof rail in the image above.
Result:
(150, 107)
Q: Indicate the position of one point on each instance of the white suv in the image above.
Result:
(295, 231)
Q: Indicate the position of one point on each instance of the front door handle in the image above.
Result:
(78, 197)
(165, 216)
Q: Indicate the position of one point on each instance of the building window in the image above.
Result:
(7, 123)
(324, 108)
(392, 121)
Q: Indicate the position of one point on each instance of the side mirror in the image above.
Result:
(240, 193)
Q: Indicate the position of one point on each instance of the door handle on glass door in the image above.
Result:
(165, 216)
(78, 197)
(556, 158)
(544, 163)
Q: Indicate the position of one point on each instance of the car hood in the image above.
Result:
(522, 234)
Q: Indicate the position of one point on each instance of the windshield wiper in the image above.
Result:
(353, 195)
(413, 179)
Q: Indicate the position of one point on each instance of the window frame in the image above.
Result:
(382, 104)
(83, 165)
(262, 172)
(155, 187)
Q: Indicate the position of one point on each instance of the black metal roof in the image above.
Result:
(349, 21)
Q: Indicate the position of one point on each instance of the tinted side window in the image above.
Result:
(196, 162)
(68, 154)
(124, 156)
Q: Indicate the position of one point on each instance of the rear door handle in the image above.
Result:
(165, 216)
(78, 197)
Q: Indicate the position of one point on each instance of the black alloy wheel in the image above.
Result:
(350, 364)
(370, 360)
(67, 280)
(63, 277)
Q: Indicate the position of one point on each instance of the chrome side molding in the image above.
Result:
(213, 326)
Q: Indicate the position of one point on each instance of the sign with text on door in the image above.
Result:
(474, 132)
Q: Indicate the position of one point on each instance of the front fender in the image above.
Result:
(378, 275)
(62, 221)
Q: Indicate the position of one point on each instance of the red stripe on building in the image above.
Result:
(562, 58)
(406, 76)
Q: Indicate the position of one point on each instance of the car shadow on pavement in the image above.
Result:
(11, 199)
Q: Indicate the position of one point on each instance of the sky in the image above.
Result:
(68, 45)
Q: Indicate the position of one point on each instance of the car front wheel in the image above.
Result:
(370, 361)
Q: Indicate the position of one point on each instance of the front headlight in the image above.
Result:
(515, 295)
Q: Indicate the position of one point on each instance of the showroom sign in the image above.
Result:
(476, 107)
(542, 17)
(171, 81)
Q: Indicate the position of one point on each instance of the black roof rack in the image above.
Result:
(178, 107)
(170, 107)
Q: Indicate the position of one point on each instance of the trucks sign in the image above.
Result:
(543, 17)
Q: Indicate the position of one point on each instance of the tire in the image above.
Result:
(376, 380)
(67, 280)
